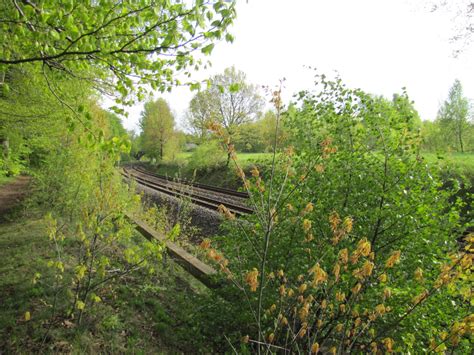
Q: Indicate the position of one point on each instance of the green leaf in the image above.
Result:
(207, 49)
(229, 38)
(234, 87)
(55, 35)
(195, 86)
(5, 89)
(174, 233)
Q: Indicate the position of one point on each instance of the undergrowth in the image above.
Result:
(146, 311)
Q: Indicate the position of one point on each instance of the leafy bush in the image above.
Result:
(352, 246)
(208, 156)
(85, 201)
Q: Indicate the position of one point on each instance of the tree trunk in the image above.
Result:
(460, 140)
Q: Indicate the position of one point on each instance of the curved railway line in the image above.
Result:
(222, 190)
(210, 197)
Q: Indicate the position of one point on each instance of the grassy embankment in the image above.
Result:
(218, 176)
(143, 311)
(454, 163)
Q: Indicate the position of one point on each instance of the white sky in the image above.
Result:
(377, 45)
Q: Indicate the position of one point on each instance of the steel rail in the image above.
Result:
(223, 190)
(202, 201)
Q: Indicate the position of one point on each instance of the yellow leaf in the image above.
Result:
(315, 348)
(80, 271)
(95, 298)
(27, 316)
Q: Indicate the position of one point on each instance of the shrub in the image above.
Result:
(87, 202)
(208, 156)
(352, 246)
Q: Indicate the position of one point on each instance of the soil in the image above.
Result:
(12, 194)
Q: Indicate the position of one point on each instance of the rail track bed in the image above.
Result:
(206, 196)
(222, 190)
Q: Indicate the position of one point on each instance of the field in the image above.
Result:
(463, 161)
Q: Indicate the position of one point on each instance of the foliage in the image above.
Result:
(229, 101)
(161, 304)
(34, 117)
(76, 184)
(201, 113)
(433, 140)
(115, 124)
(126, 43)
(157, 125)
(352, 246)
(258, 136)
(208, 156)
(136, 151)
(406, 109)
(27, 116)
(86, 200)
(234, 100)
(57, 57)
(461, 12)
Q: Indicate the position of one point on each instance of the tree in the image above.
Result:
(432, 137)
(259, 136)
(229, 101)
(463, 27)
(200, 113)
(267, 126)
(157, 124)
(406, 109)
(133, 42)
(234, 101)
(453, 115)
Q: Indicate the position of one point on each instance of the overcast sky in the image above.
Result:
(377, 45)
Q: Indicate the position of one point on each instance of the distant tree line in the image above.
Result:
(237, 108)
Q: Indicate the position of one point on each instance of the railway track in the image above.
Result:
(202, 195)
(222, 190)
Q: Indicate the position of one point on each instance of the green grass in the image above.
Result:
(459, 162)
(220, 176)
(463, 161)
(5, 179)
(145, 313)
(243, 158)
(23, 253)
(251, 158)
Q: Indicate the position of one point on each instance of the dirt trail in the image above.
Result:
(12, 193)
